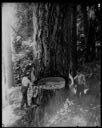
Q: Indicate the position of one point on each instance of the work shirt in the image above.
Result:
(26, 82)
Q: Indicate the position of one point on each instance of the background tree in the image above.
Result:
(7, 13)
(91, 34)
(73, 45)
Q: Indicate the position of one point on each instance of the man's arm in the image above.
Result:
(30, 84)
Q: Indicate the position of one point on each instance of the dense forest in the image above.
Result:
(56, 40)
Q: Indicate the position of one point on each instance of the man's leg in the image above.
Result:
(78, 91)
(22, 102)
(25, 100)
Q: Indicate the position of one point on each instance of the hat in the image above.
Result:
(18, 38)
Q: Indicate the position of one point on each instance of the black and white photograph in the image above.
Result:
(51, 64)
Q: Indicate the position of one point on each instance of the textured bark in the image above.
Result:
(73, 45)
(52, 35)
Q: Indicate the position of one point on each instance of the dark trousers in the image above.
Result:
(80, 89)
(24, 97)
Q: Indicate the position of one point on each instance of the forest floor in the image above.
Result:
(64, 109)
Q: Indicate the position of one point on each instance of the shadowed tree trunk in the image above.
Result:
(51, 34)
(86, 25)
(73, 44)
(91, 36)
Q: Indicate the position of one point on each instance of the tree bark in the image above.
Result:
(73, 45)
(50, 32)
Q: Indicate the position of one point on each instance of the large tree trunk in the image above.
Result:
(51, 34)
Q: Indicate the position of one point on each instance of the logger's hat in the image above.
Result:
(18, 38)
